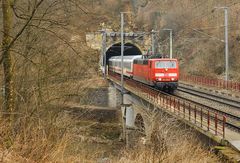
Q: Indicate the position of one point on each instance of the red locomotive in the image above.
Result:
(162, 73)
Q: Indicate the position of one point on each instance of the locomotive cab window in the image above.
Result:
(165, 64)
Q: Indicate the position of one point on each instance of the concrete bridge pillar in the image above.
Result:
(130, 117)
(129, 111)
(112, 97)
(128, 123)
(135, 119)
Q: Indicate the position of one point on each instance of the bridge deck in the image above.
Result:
(227, 136)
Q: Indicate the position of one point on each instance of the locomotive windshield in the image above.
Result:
(165, 64)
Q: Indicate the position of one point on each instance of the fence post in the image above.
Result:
(150, 95)
(167, 101)
(208, 120)
(170, 100)
(178, 106)
(224, 121)
(195, 114)
(174, 102)
(184, 109)
(163, 100)
(216, 123)
(189, 112)
(201, 117)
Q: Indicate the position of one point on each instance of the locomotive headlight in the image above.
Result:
(173, 79)
(172, 74)
(159, 74)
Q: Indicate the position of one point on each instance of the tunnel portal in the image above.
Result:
(115, 50)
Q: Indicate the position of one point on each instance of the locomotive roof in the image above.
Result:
(127, 57)
(158, 59)
(139, 57)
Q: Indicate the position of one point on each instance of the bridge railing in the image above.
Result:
(206, 81)
(198, 116)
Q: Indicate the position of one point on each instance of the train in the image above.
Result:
(161, 73)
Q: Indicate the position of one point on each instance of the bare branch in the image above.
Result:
(19, 53)
(79, 7)
(23, 28)
(60, 38)
(41, 18)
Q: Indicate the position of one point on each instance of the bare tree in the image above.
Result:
(6, 56)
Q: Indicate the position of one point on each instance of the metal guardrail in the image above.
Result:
(210, 96)
(198, 116)
(218, 83)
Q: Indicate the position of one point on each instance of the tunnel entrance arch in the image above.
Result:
(115, 50)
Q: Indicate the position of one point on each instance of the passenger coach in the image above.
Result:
(115, 64)
(162, 73)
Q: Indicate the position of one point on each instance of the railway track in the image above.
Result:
(232, 119)
(232, 122)
(229, 115)
(209, 96)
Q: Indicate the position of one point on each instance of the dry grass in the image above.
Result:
(45, 137)
(31, 138)
(48, 72)
(170, 142)
(59, 137)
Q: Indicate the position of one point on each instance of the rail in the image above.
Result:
(194, 114)
(201, 117)
(210, 96)
(218, 83)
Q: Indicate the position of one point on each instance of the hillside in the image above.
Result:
(56, 76)
(198, 31)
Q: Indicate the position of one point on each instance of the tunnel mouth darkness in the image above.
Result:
(115, 50)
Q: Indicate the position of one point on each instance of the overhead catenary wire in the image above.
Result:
(187, 27)
(200, 17)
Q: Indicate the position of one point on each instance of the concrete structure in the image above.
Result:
(137, 111)
(137, 43)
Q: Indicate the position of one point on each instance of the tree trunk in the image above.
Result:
(9, 99)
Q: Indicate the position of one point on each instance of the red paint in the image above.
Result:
(208, 120)
(216, 123)
(223, 125)
(219, 83)
(147, 73)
